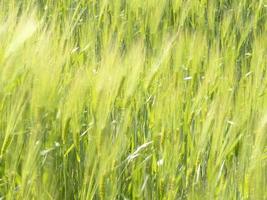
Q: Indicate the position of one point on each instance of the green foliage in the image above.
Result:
(138, 99)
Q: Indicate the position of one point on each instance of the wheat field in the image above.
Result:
(133, 99)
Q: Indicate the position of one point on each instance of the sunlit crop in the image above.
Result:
(133, 99)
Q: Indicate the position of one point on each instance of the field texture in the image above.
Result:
(133, 99)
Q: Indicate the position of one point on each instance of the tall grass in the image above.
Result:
(140, 99)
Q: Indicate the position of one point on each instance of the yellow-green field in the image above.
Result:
(133, 99)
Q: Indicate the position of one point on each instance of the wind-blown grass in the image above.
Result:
(140, 99)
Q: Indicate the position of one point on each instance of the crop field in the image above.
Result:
(133, 99)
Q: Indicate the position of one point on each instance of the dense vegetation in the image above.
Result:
(133, 99)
